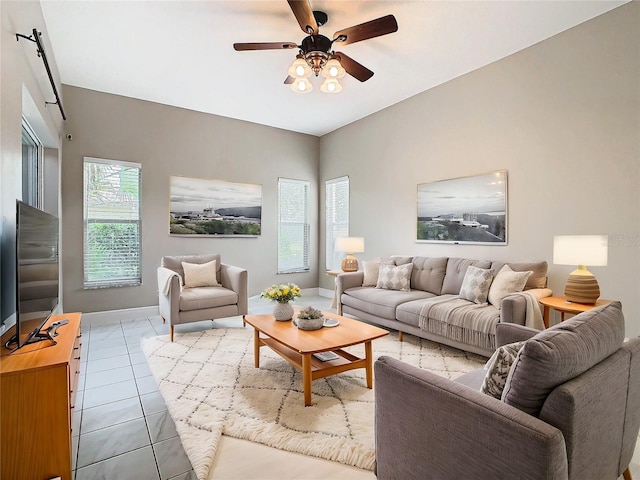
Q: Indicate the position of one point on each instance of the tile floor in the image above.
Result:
(121, 427)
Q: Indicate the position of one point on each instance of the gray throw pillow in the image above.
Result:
(476, 283)
(498, 367)
(560, 353)
(395, 278)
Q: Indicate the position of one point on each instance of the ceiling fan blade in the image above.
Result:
(364, 31)
(264, 46)
(303, 13)
(289, 80)
(353, 68)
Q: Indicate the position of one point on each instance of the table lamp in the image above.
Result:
(581, 250)
(350, 245)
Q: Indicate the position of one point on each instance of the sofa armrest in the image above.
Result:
(513, 308)
(235, 278)
(429, 427)
(348, 280)
(511, 332)
(169, 303)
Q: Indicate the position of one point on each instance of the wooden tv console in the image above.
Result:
(37, 392)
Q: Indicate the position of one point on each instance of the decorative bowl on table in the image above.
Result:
(310, 319)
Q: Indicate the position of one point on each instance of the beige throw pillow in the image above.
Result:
(200, 275)
(506, 282)
(395, 278)
(476, 284)
(498, 367)
(371, 270)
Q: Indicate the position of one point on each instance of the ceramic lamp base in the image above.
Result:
(582, 287)
(349, 263)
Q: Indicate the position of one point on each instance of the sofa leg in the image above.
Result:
(627, 474)
(244, 321)
(163, 319)
(399, 336)
(171, 330)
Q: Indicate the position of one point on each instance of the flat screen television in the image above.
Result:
(37, 272)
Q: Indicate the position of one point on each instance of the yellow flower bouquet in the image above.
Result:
(283, 293)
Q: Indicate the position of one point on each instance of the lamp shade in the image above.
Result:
(350, 244)
(588, 250)
(581, 250)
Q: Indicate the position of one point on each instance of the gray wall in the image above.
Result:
(561, 116)
(23, 91)
(173, 141)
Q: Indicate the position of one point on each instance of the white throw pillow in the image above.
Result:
(476, 283)
(395, 278)
(506, 282)
(371, 271)
(200, 275)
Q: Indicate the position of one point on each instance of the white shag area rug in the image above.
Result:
(211, 388)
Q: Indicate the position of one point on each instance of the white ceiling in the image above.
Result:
(180, 52)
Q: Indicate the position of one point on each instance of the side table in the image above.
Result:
(334, 273)
(562, 305)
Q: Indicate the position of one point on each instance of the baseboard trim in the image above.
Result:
(115, 316)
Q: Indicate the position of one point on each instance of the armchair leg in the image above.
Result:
(627, 474)
(399, 336)
(171, 330)
(163, 319)
(244, 322)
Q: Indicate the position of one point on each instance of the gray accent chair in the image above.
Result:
(185, 305)
(578, 380)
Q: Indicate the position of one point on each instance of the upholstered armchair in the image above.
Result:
(570, 409)
(192, 288)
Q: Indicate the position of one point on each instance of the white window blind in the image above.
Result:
(336, 219)
(112, 226)
(293, 225)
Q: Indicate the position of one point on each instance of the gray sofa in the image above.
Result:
(432, 277)
(570, 409)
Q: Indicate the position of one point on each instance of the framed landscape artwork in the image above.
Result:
(202, 207)
(464, 210)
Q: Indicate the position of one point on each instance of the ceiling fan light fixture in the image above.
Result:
(333, 69)
(331, 85)
(301, 85)
(299, 68)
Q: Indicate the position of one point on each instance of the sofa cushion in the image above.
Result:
(371, 270)
(505, 283)
(538, 277)
(498, 367)
(200, 275)
(395, 277)
(455, 272)
(206, 297)
(380, 302)
(476, 283)
(428, 274)
(175, 262)
(561, 353)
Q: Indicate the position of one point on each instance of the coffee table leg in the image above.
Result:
(256, 348)
(306, 379)
(368, 351)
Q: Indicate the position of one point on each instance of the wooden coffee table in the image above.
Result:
(298, 346)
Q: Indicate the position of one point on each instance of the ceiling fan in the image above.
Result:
(316, 54)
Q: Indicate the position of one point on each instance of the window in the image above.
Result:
(336, 219)
(112, 225)
(293, 225)
(31, 166)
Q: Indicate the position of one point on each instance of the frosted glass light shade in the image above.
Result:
(301, 85)
(581, 250)
(331, 85)
(300, 69)
(333, 69)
